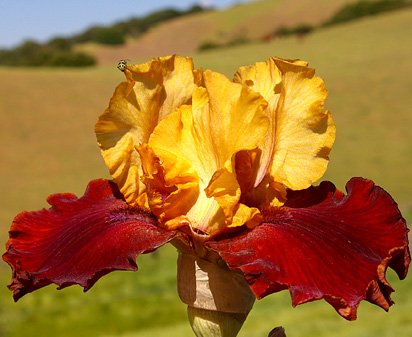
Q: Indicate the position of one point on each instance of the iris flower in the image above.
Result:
(223, 170)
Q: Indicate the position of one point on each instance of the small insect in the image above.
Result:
(122, 65)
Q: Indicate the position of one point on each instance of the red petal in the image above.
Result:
(323, 244)
(78, 240)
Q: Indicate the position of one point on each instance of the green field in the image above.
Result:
(48, 146)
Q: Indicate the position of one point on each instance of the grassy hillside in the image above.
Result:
(252, 20)
(48, 146)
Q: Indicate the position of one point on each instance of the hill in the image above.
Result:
(251, 20)
(170, 30)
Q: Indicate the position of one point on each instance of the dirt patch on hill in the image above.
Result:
(179, 36)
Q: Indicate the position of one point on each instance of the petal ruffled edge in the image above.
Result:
(78, 240)
(305, 132)
(319, 245)
(153, 90)
(301, 133)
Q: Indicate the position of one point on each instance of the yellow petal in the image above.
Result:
(168, 196)
(154, 90)
(249, 216)
(225, 189)
(163, 84)
(235, 119)
(304, 131)
(264, 78)
(301, 133)
(201, 139)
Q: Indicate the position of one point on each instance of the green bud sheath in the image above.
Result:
(218, 299)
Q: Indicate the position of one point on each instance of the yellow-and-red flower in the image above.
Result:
(224, 170)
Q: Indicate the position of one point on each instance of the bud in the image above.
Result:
(210, 323)
(218, 299)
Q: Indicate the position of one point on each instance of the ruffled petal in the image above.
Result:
(264, 78)
(301, 133)
(304, 132)
(201, 141)
(154, 90)
(78, 240)
(324, 244)
(169, 197)
(225, 188)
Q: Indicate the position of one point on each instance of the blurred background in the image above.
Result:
(58, 71)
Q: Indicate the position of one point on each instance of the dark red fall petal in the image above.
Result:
(78, 240)
(323, 244)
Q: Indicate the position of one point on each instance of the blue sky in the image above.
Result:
(42, 19)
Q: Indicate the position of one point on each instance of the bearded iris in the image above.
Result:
(224, 171)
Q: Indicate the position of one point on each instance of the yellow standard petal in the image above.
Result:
(154, 90)
(305, 132)
(201, 141)
(301, 133)
(264, 78)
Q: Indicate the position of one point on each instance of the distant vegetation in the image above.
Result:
(59, 51)
(56, 53)
(233, 42)
(302, 29)
(365, 8)
(348, 12)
